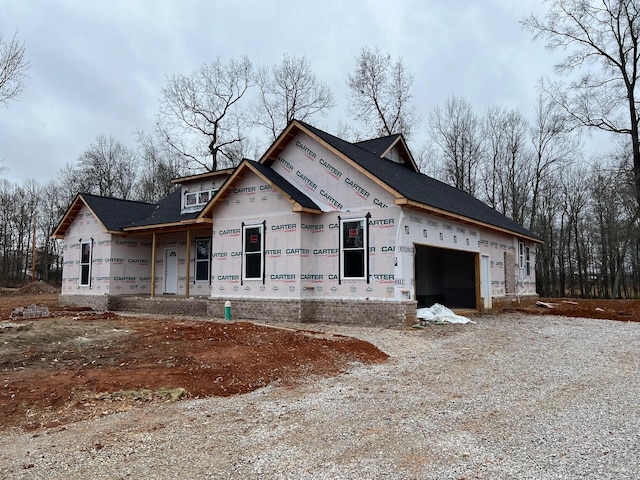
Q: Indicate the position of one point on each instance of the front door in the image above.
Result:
(171, 270)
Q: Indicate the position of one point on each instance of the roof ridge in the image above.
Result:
(116, 198)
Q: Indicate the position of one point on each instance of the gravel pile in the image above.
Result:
(526, 397)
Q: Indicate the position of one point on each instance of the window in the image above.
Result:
(203, 247)
(253, 243)
(527, 254)
(193, 200)
(354, 246)
(85, 264)
(203, 197)
(520, 254)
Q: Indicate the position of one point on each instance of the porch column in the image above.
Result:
(188, 262)
(153, 265)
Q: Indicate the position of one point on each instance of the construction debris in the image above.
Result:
(544, 304)
(32, 311)
(440, 314)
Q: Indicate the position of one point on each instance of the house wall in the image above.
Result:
(332, 183)
(86, 227)
(301, 249)
(179, 240)
(130, 272)
(417, 228)
(507, 278)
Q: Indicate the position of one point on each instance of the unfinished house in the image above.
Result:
(319, 229)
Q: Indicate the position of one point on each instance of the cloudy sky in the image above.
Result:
(98, 66)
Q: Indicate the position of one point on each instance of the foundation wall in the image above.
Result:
(347, 312)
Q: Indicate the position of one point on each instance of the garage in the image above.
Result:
(445, 276)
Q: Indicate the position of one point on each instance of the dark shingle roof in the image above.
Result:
(115, 213)
(378, 146)
(166, 211)
(422, 188)
(284, 185)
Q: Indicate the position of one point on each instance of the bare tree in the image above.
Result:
(380, 94)
(13, 69)
(507, 175)
(602, 39)
(106, 168)
(287, 91)
(200, 116)
(555, 145)
(159, 165)
(455, 131)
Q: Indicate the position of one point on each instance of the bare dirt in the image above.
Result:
(75, 365)
(623, 310)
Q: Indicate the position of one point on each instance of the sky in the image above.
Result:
(98, 66)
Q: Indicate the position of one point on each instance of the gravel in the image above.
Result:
(511, 396)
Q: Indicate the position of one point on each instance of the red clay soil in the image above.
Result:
(76, 365)
(622, 310)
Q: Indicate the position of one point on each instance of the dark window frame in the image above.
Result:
(357, 253)
(253, 258)
(85, 263)
(200, 260)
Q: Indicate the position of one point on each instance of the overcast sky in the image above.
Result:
(98, 66)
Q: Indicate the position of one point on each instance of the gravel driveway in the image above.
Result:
(512, 396)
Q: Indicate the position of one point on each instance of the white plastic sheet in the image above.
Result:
(440, 313)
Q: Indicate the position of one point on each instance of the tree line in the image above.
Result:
(534, 170)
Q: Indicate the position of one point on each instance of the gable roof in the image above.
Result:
(383, 145)
(112, 213)
(411, 188)
(167, 211)
(300, 201)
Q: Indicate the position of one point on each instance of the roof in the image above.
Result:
(112, 213)
(417, 188)
(378, 146)
(115, 213)
(118, 215)
(410, 187)
(200, 176)
(278, 180)
(300, 201)
(167, 211)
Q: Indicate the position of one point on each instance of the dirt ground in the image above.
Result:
(623, 310)
(79, 364)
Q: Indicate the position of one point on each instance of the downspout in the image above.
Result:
(153, 265)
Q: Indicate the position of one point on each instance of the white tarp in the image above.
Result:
(440, 313)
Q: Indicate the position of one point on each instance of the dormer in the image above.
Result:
(197, 190)
(392, 147)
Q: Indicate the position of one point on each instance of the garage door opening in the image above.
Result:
(447, 277)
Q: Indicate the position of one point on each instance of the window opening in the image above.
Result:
(85, 263)
(354, 245)
(203, 258)
(253, 252)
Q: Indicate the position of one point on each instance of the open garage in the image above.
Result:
(445, 276)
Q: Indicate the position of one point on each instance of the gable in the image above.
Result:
(392, 147)
(326, 178)
(254, 181)
(111, 213)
